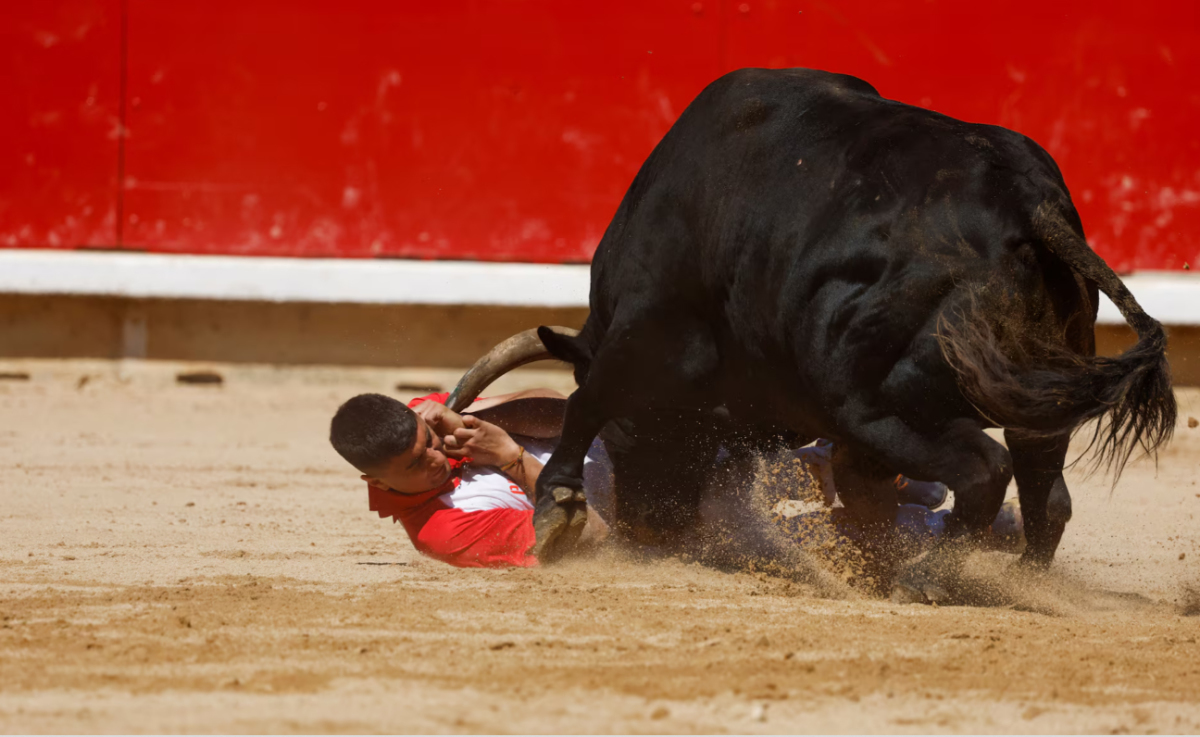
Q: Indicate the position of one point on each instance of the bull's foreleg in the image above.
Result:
(1045, 501)
(866, 489)
(648, 360)
(560, 507)
(662, 464)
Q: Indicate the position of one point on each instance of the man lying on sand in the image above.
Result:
(461, 484)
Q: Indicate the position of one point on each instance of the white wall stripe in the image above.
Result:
(1171, 297)
(367, 281)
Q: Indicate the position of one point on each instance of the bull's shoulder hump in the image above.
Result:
(756, 82)
(747, 98)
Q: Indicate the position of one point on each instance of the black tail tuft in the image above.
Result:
(1129, 395)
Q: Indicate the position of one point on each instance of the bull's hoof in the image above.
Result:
(558, 523)
(549, 523)
(909, 593)
(562, 494)
(570, 537)
(1031, 563)
(917, 586)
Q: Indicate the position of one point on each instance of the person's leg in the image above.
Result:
(928, 494)
(919, 528)
(819, 458)
(916, 530)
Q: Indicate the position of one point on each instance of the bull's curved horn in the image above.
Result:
(522, 348)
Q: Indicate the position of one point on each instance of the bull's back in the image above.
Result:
(714, 176)
(805, 215)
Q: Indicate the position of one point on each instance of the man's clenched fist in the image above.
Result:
(483, 442)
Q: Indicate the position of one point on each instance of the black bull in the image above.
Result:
(799, 258)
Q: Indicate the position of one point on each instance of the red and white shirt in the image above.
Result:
(479, 518)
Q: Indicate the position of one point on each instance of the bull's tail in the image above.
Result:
(1129, 395)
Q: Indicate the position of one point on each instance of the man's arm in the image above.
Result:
(491, 445)
(525, 472)
(483, 430)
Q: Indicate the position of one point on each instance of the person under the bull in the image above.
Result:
(461, 484)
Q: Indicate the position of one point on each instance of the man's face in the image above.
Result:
(420, 468)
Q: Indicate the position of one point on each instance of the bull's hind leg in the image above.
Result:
(962, 456)
(655, 361)
(1045, 501)
(978, 469)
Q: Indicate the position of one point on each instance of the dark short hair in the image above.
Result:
(371, 429)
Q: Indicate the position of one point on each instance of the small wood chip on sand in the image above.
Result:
(199, 377)
(14, 376)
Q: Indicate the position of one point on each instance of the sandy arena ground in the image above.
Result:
(197, 559)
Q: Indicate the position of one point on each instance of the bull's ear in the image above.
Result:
(564, 347)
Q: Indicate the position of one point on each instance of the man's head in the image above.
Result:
(390, 444)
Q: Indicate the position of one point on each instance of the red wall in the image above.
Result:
(60, 66)
(509, 130)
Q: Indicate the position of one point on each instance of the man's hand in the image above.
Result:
(485, 443)
(440, 418)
